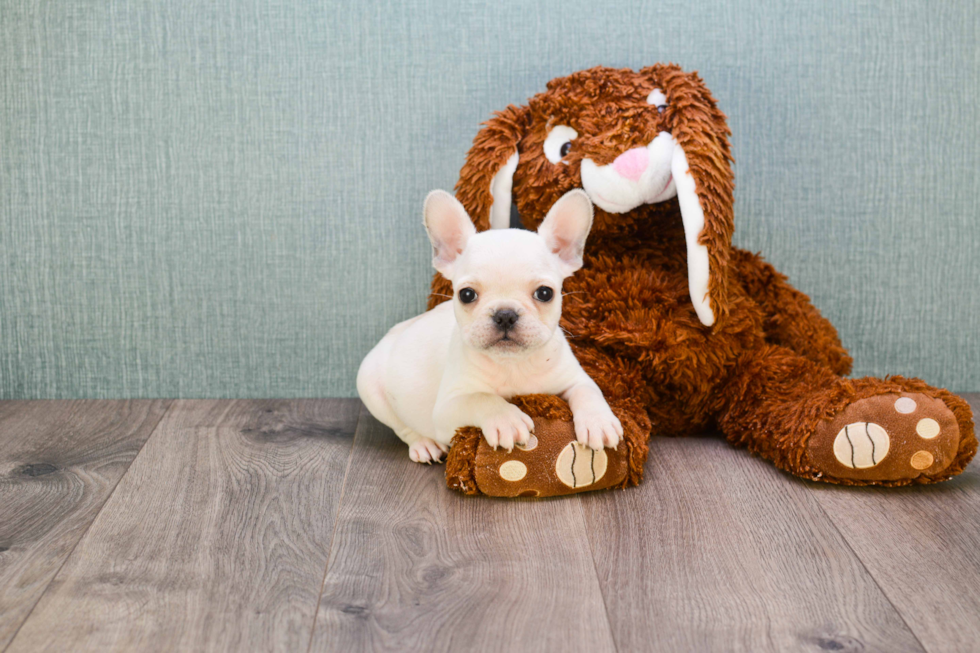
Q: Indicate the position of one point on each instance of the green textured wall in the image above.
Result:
(222, 199)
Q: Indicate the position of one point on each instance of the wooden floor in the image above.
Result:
(302, 525)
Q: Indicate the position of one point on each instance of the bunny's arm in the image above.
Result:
(790, 319)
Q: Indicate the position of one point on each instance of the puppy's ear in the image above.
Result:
(487, 177)
(566, 227)
(486, 180)
(448, 227)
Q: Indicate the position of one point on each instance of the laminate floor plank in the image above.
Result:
(922, 546)
(211, 529)
(719, 551)
(415, 566)
(216, 538)
(59, 462)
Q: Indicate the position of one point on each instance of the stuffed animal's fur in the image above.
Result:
(756, 361)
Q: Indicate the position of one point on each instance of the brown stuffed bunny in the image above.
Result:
(683, 332)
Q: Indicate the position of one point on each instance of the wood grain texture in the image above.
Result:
(59, 462)
(719, 551)
(218, 535)
(922, 546)
(216, 539)
(417, 567)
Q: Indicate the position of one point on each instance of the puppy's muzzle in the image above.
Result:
(505, 319)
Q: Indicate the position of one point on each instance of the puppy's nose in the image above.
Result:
(632, 163)
(505, 319)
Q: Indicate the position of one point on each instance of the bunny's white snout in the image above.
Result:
(641, 175)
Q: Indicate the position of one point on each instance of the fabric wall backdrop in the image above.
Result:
(223, 199)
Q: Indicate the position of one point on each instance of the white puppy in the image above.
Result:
(457, 364)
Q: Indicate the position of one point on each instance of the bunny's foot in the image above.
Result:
(887, 437)
(814, 424)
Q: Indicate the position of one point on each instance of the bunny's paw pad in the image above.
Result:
(889, 437)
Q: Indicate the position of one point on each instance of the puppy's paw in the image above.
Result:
(427, 450)
(507, 428)
(598, 428)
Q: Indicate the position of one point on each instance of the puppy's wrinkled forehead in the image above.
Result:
(509, 256)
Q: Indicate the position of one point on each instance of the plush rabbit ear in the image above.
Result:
(487, 177)
(486, 180)
(702, 170)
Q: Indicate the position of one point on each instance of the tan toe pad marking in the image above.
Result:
(579, 465)
(861, 445)
(513, 470)
(921, 459)
(927, 428)
(905, 405)
(531, 445)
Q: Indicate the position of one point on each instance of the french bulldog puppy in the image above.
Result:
(457, 364)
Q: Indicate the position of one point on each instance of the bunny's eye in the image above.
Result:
(658, 99)
(559, 142)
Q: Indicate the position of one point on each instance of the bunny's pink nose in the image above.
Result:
(632, 163)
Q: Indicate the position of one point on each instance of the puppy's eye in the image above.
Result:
(559, 142)
(657, 99)
(544, 294)
(467, 295)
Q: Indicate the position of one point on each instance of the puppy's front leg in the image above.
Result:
(503, 424)
(595, 424)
